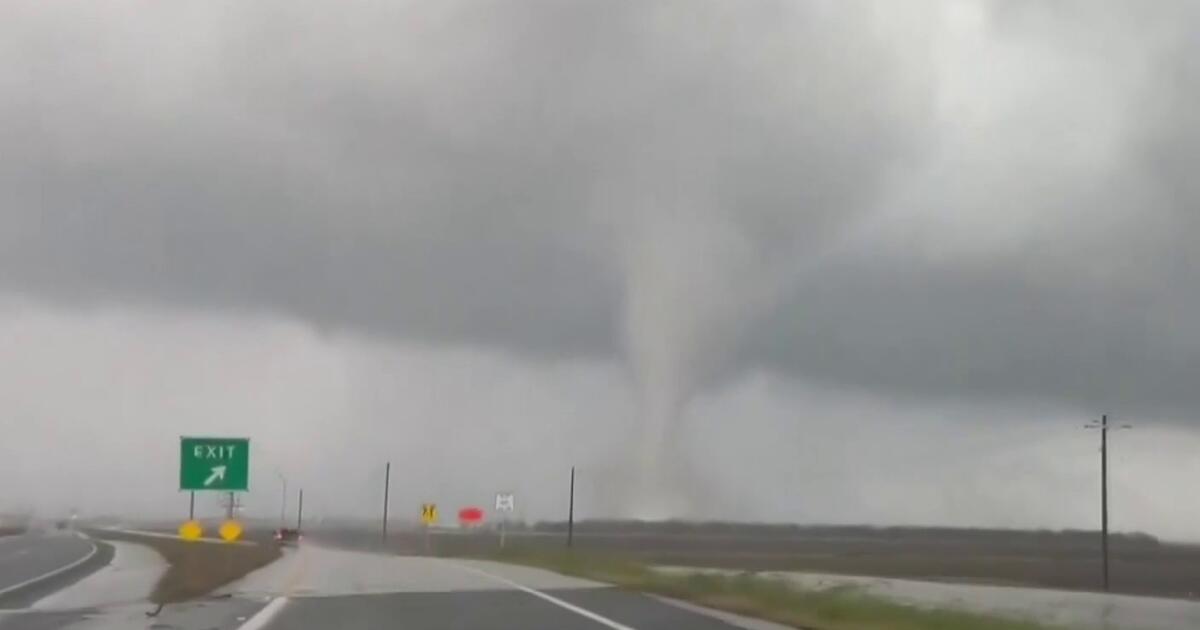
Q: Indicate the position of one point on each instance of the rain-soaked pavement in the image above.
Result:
(115, 598)
(316, 588)
(312, 587)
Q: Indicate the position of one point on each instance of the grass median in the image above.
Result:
(839, 608)
(196, 569)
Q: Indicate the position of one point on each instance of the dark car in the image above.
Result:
(287, 536)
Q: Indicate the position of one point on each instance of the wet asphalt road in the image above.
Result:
(492, 610)
(27, 562)
(316, 588)
(319, 588)
(26, 557)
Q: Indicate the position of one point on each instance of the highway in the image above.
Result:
(316, 588)
(30, 564)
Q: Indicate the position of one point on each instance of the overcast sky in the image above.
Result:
(830, 261)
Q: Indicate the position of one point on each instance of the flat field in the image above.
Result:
(1064, 560)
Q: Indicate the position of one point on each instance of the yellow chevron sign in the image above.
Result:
(429, 513)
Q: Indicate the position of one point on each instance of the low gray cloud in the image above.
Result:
(953, 200)
(466, 172)
(96, 403)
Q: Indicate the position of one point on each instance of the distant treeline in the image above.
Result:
(943, 535)
(11, 525)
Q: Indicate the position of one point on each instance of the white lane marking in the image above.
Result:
(15, 554)
(737, 621)
(583, 612)
(215, 541)
(46, 576)
(264, 616)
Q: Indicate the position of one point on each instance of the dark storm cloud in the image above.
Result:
(482, 174)
(451, 171)
(1078, 280)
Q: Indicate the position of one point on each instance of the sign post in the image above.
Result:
(220, 464)
(505, 503)
(429, 517)
(387, 480)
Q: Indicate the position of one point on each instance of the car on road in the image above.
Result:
(288, 536)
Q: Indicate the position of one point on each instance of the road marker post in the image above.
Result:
(230, 530)
(191, 530)
(505, 504)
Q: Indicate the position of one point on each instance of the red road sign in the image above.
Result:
(470, 516)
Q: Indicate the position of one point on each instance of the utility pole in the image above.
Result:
(300, 511)
(571, 513)
(387, 479)
(1104, 427)
(283, 502)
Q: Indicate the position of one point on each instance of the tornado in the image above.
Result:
(688, 291)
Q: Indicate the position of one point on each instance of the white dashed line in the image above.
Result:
(583, 612)
(264, 616)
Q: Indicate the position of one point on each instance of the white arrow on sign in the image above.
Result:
(218, 472)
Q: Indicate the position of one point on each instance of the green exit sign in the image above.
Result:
(214, 464)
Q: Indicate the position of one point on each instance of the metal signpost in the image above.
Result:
(387, 481)
(505, 504)
(429, 517)
(571, 513)
(218, 465)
